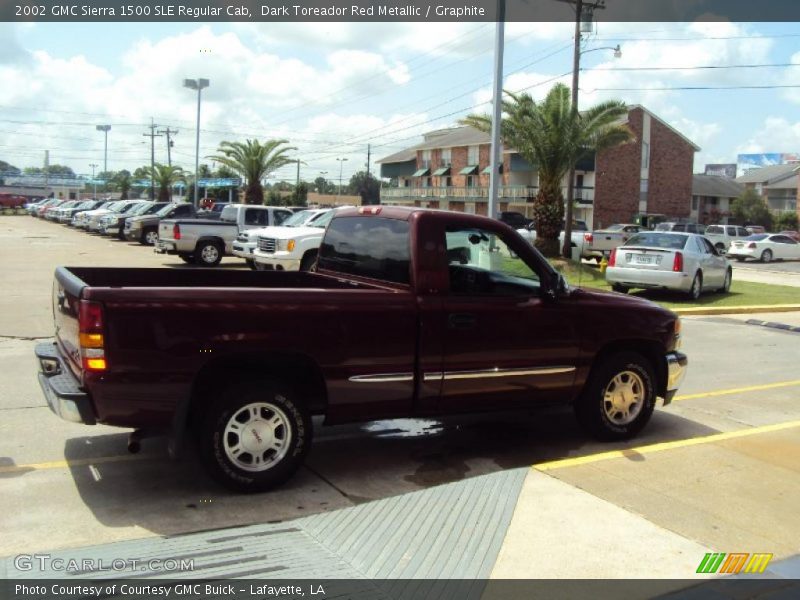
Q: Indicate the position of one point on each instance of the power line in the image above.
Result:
(697, 68)
(697, 87)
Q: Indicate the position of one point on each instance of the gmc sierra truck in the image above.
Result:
(408, 313)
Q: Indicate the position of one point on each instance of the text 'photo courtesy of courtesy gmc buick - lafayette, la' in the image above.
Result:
(407, 313)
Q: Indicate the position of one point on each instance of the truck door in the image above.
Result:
(505, 345)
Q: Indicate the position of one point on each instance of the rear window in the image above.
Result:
(756, 237)
(373, 247)
(653, 239)
(715, 229)
(227, 212)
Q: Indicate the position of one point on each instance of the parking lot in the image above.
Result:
(717, 470)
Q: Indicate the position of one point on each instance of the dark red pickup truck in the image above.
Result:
(410, 313)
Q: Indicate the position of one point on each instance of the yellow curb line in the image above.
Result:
(78, 462)
(736, 310)
(662, 446)
(752, 388)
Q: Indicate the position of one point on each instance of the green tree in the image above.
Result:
(253, 161)
(165, 177)
(554, 137)
(750, 208)
(366, 186)
(204, 171)
(122, 182)
(52, 170)
(299, 195)
(786, 221)
(224, 172)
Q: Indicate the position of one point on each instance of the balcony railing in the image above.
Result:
(457, 193)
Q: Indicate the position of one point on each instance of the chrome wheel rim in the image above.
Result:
(151, 237)
(257, 437)
(210, 254)
(766, 256)
(623, 398)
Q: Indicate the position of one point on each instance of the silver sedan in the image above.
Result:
(686, 262)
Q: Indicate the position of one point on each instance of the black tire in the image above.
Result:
(187, 258)
(251, 263)
(121, 233)
(208, 254)
(272, 402)
(766, 256)
(149, 236)
(593, 410)
(697, 286)
(726, 285)
(619, 288)
(308, 261)
(740, 259)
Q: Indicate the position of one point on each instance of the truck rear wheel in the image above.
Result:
(149, 237)
(619, 397)
(255, 436)
(208, 254)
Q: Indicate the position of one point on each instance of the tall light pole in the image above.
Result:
(197, 84)
(341, 164)
(105, 129)
(495, 160)
(322, 174)
(94, 181)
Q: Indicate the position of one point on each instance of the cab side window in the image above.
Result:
(480, 262)
(255, 216)
(182, 210)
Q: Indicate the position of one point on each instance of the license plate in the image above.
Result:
(644, 260)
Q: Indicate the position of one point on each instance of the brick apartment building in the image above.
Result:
(778, 185)
(450, 169)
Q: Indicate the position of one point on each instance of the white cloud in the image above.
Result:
(777, 134)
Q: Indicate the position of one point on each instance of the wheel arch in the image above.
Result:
(651, 350)
(210, 238)
(301, 372)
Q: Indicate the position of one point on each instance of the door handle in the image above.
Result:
(461, 321)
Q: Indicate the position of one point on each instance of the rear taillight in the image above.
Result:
(588, 238)
(612, 260)
(92, 342)
(176, 232)
(677, 263)
(752, 245)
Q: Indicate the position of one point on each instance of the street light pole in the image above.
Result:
(197, 84)
(341, 165)
(94, 181)
(105, 129)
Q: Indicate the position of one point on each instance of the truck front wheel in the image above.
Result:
(208, 254)
(619, 397)
(308, 261)
(255, 437)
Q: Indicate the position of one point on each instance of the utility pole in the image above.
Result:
(497, 112)
(369, 148)
(167, 132)
(580, 7)
(94, 181)
(152, 135)
(47, 172)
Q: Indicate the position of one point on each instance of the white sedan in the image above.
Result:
(765, 247)
(686, 262)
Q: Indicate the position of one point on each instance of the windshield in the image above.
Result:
(165, 211)
(322, 221)
(301, 218)
(615, 228)
(652, 239)
(139, 209)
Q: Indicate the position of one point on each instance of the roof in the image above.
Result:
(768, 175)
(716, 186)
(465, 135)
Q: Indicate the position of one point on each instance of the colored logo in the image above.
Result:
(733, 563)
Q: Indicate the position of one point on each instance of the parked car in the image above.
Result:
(581, 237)
(680, 226)
(514, 219)
(603, 241)
(247, 241)
(113, 223)
(82, 218)
(94, 216)
(33, 206)
(722, 235)
(685, 262)
(204, 241)
(12, 200)
(795, 235)
(291, 248)
(144, 228)
(55, 213)
(65, 215)
(754, 229)
(386, 327)
(46, 210)
(765, 247)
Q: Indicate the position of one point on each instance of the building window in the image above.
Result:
(426, 159)
(473, 155)
(643, 185)
(472, 181)
(446, 157)
(695, 202)
(425, 182)
(448, 181)
(645, 155)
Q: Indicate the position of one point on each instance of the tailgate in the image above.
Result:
(67, 289)
(606, 241)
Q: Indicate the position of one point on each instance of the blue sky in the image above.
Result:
(333, 88)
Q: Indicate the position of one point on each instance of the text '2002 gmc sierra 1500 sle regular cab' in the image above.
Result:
(410, 313)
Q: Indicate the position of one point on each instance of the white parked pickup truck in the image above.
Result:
(291, 248)
(581, 237)
(603, 241)
(722, 236)
(246, 243)
(205, 241)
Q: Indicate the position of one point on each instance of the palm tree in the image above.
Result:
(123, 181)
(553, 137)
(253, 161)
(165, 177)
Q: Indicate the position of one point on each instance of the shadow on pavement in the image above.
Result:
(348, 465)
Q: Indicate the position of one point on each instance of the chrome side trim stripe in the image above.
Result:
(497, 372)
(382, 378)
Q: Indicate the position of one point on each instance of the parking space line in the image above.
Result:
(751, 388)
(78, 462)
(662, 446)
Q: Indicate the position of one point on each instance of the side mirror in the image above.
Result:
(530, 226)
(559, 289)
